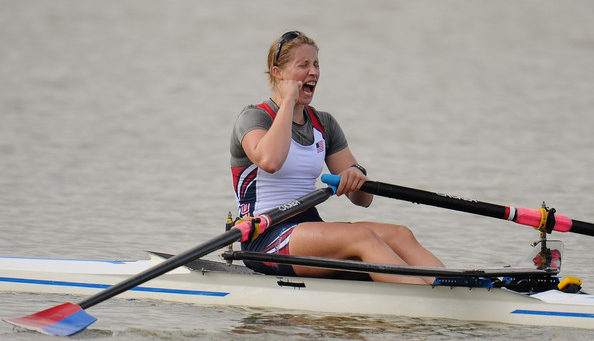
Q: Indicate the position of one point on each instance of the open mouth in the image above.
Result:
(309, 87)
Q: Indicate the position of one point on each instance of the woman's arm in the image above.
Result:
(269, 149)
(351, 178)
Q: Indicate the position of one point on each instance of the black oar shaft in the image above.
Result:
(407, 270)
(582, 227)
(290, 209)
(540, 219)
(172, 263)
(519, 215)
(434, 199)
(239, 232)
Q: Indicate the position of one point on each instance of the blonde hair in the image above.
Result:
(284, 55)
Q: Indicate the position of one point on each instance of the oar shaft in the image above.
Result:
(240, 232)
(290, 209)
(582, 227)
(434, 199)
(358, 266)
(284, 212)
(520, 215)
(172, 263)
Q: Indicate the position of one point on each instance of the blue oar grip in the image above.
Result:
(331, 180)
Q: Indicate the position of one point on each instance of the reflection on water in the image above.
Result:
(362, 327)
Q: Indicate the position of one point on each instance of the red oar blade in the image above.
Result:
(61, 320)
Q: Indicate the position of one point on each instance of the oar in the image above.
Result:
(542, 219)
(407, 270)
(69, 318)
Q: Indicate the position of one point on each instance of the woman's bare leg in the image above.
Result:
(403, 242)
(345, 241)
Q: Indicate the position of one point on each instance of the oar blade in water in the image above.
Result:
(62, 320)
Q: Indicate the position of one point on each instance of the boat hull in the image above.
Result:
(213, 286)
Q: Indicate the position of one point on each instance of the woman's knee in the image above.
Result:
(396, 234)
(366, 236)
(404, 233)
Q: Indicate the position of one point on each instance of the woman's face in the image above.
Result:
(304, 67)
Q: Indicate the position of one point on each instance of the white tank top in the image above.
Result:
(295, 178)
(258, 191)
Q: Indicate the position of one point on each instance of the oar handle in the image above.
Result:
(520, 215)
(250, 231)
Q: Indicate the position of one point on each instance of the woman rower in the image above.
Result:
(278, 150)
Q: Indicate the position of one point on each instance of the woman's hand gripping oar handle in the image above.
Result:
(542, 219)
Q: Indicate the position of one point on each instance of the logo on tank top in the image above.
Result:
(245, 209)
(320, 146)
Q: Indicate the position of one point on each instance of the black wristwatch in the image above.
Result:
(361, 168)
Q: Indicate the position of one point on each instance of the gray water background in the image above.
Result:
(115, 119)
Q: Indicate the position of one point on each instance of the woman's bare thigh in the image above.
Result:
(339, 241)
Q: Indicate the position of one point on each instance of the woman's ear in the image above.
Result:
(277, 73)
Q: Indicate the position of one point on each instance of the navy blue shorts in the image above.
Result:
(275, 240)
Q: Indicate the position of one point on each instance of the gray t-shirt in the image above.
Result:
(252, 117)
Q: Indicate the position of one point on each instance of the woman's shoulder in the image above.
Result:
(252, 112)
(250, 118)
(326, 119)
(253, 108)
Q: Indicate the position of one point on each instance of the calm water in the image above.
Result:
(115, 118)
